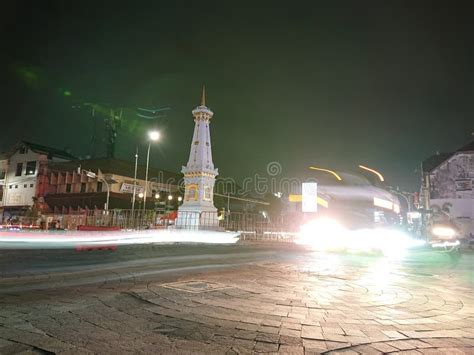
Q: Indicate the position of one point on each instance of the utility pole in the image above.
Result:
(113, 116)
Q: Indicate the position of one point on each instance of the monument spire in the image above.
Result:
(203, 97)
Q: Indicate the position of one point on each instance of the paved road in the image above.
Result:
(234, 299)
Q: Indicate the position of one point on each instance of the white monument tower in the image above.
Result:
(197, 210)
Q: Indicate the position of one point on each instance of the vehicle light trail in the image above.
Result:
(380, 176)
(327, 171)
(73, 239)
(326, 234)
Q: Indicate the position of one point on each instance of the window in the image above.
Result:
(25, 186)
(2, 174)
(207, 193)
(68, 187)
(31, 185)
(19, 169)
(1, 192)
(83, 187)
(23, 150)
(99, 186)
(11, 186)
(16, 186)
(30, 168)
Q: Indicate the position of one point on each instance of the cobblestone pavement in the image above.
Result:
(302, 304)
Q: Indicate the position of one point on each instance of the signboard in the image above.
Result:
(128, 189)
(15, 199)
(310, 197)
(463, 185)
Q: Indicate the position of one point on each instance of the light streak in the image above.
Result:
(73, 239)
(441, 231)
(380, 176)
(446, 244)
(329, 235)
(327, 171)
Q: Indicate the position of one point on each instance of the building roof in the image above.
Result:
(467, 148)
(119, 167)
(51, 152)
(434, 161)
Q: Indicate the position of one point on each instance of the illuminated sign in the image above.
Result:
(414, 215)
(299, 198)
(383, 203)
(396, 208)
(310, 197)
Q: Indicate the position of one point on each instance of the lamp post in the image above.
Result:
(153, 136)
(140, 196)
(135, 181)
(402, 194)
(157, 198)
(168, 204)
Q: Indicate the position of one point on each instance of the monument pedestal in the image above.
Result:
(192, 219)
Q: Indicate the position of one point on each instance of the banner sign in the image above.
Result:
(310, 197)
(128, 188)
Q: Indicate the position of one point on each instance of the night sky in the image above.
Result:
(333, 83)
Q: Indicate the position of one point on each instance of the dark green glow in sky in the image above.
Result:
(337, 84)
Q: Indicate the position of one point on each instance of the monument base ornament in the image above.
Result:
(197, 210)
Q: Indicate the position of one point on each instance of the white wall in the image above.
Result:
(16, 194)
(3, 167)
(462, 210)
(454, 178)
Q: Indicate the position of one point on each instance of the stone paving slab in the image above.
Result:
(288, 308)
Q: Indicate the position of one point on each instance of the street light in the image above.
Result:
(157, 196)
(180, 199)
(92, 175)
(170, 197)
(153, 137)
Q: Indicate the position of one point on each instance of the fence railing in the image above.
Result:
(249, 225)
(124, 219)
